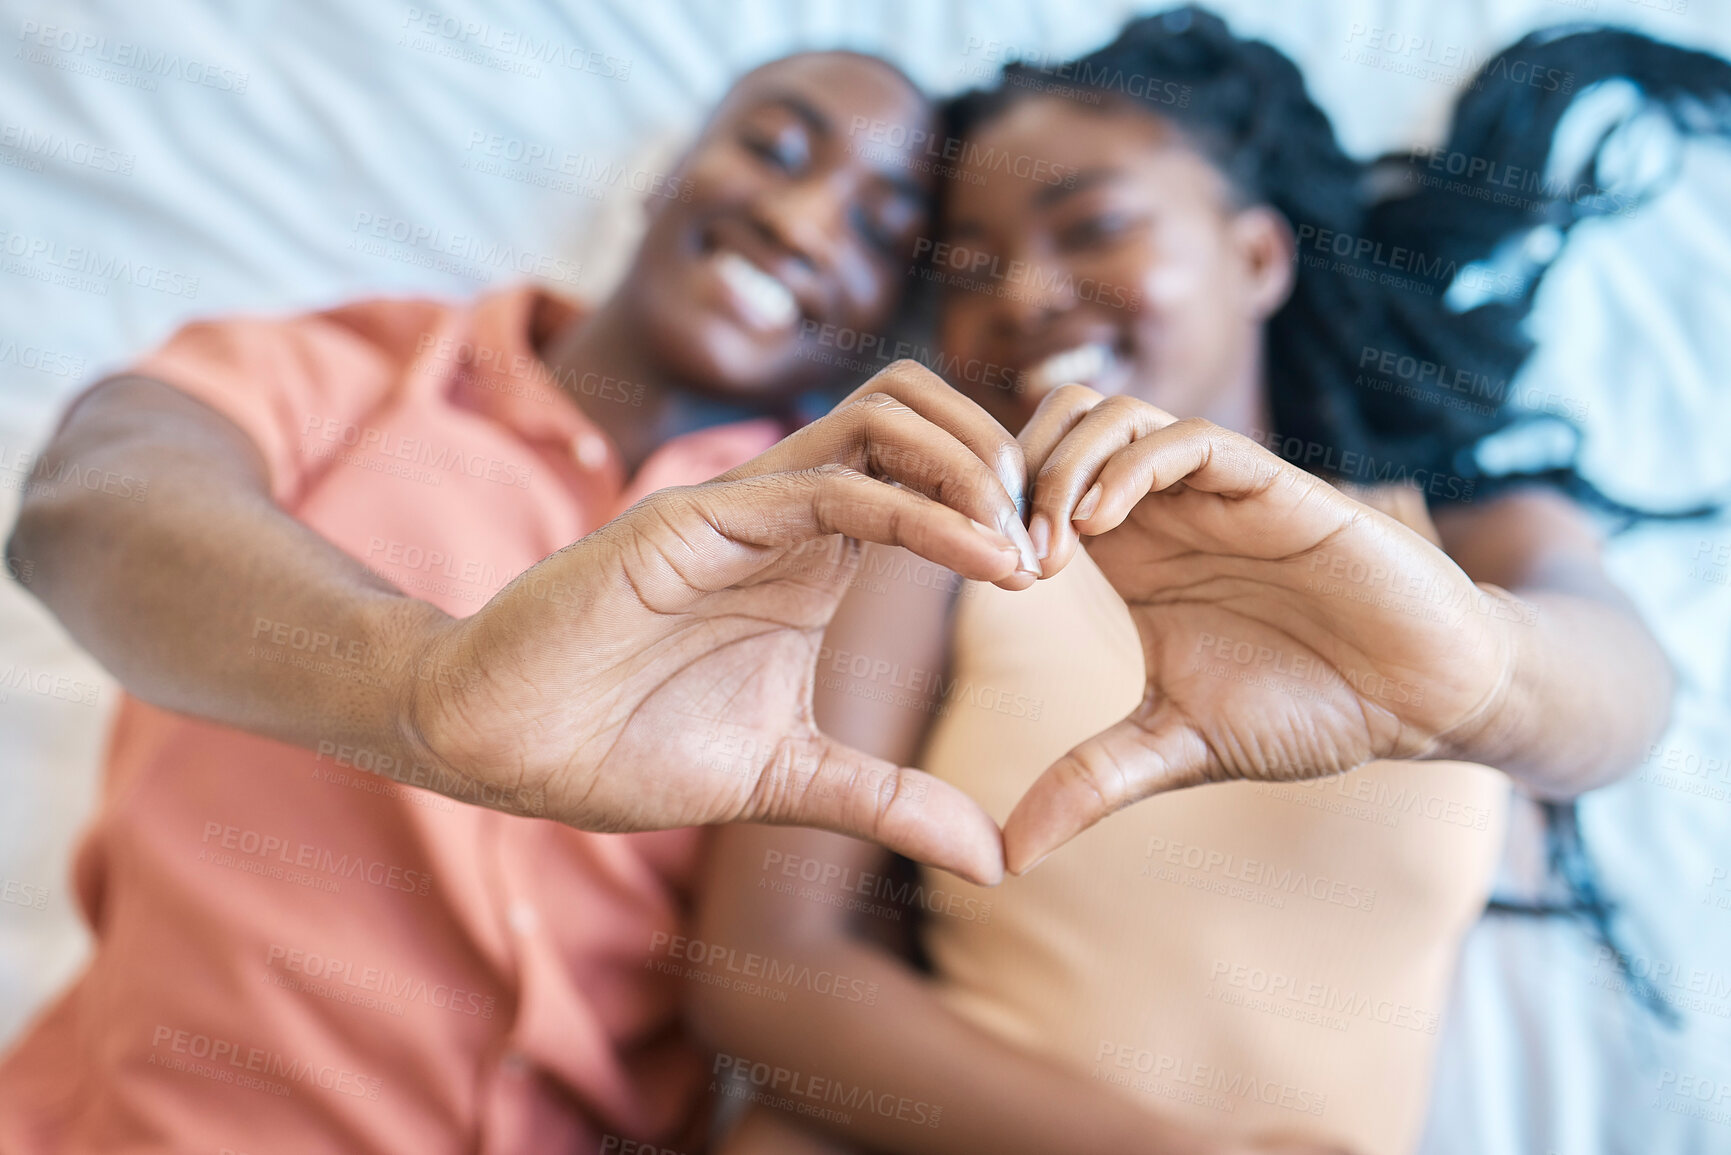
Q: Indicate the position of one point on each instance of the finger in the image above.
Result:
(714, 536)
(932, 398)
(1058, 413)
(817, 781)
(1122, 764)
(1203, 456)
(1069, 471)
(878, 435)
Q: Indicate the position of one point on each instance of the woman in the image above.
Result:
(1251, 967)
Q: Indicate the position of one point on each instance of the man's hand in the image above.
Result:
(1289, 632)
(670, 681)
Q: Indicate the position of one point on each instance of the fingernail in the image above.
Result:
(998, 539)
(1040, 533)
(1018, 533)
(1029, 869)
(1089, 503)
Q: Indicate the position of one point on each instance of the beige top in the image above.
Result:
(1259, 957)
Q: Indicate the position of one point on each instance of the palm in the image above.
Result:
(1266, 658)
(1288, 631)
(712, 720)
(659, 672)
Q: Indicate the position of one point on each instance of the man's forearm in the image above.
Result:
(207, 598)
(1587, 690)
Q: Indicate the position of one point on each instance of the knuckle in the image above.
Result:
(1076, 394)
(835, 473)
(872, 406)
(907, 371)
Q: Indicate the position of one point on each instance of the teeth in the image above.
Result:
(767, 301)
(1083, 365)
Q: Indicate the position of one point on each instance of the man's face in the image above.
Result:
(790, 218)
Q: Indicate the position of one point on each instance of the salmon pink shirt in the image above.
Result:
(300, 952)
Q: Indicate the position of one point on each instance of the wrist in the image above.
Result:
(417, 637)
(1492, 733)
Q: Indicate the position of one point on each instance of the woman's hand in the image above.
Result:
(1289, 632)
(659, 672)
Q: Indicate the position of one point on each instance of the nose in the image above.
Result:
(1040, 292)
(805, 217)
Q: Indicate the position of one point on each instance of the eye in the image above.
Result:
(784, 149)
(886, 222)
(1097, 229)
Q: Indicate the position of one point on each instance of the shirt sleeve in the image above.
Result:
(282, 380)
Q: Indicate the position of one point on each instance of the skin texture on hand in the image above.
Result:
(1289, 632)
(674, 686)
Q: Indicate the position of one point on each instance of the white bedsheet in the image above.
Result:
(167, 160)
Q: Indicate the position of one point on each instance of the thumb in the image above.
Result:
(817, 781)
(1125, 763)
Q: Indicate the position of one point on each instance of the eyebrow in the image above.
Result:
(1053, 193)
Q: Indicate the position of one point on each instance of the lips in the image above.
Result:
(761, 299)
(1084, 365)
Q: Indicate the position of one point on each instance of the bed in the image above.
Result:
(158, 162)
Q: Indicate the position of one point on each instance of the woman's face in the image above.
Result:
(1124, 264)
(791, 215)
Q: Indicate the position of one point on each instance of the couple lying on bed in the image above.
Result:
(1257, 966)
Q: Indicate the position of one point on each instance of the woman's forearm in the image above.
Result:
(908, 1074)
(205, 597)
